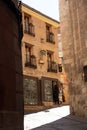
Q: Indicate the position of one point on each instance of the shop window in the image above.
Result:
(48, 90)
(30, 91)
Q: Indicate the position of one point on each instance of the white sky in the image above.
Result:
(47, 7)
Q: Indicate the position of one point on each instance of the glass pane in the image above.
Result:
(26, 21)
(48, 90)
(30, 91)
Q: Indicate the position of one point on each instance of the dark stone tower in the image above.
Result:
(11, 86)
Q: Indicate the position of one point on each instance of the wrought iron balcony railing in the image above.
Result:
(31, 63)
(52, 67)
(50, 37)
(29, 29)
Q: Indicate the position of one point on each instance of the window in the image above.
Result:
(30, 91)
(28, 26)
(49, 34)
(49, 60)
(85, 73)
(48, 90)
(28, 53)
(60, 67)
(51, 64)
(30, 58)
(26, 23)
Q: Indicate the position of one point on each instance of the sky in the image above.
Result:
(47, 7)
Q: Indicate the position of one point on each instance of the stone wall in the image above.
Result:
(74, 38)
(15, 2)
(11, 93)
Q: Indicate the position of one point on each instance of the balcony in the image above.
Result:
(50, 37)
(31, 63)
(29, 29)
(52, 67)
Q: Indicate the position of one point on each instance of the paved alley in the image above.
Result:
(44, 117)
(58, 118)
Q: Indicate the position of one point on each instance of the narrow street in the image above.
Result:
(58, 118)
(44, 117)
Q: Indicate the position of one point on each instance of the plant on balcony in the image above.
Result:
(42, 53)
(33, 56)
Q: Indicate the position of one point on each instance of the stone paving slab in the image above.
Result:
(67, 123)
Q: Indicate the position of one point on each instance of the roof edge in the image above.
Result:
(29, 7)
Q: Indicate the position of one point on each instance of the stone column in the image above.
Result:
(11, 86)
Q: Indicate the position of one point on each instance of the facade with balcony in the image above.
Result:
(39, 56)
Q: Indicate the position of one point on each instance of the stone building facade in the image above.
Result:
(73, 17)
(11, 82)
(40, 57)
